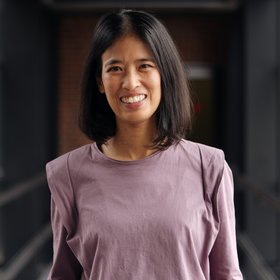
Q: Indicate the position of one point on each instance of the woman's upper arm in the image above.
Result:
(63, 218)
(224, 262)
(65, 265)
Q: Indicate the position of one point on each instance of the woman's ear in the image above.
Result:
(100, 85)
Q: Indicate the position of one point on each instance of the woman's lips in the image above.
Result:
(133, 99)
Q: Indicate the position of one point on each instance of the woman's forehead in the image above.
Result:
(127, 46)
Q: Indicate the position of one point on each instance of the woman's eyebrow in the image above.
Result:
(145, 59)
(117, 61)
(112, 61)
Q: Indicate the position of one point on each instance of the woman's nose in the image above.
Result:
(130, 80)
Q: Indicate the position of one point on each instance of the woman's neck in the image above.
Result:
(131, 142)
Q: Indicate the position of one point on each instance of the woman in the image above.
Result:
(140, 202)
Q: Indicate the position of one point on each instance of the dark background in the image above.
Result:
(231, 51)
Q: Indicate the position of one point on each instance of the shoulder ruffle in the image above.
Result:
(62, 180)
(212, 167)
(60, 185)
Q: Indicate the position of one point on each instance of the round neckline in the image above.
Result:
(126, 162)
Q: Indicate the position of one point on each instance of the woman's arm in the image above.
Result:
(65, 265)
(223, 258)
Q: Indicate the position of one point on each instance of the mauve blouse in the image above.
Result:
(169, 216)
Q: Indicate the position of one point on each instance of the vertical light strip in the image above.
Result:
(277, 10)
(1, 90)
(1, 121)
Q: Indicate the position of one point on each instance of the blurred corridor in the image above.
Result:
(231, 50)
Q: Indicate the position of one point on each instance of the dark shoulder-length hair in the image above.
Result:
(173, 116)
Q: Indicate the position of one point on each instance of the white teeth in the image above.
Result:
(134, 99)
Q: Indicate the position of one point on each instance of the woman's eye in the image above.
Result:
(114, 69)
(145, 66)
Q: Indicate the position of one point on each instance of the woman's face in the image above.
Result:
(131, 81)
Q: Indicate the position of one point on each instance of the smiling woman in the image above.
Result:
(142, 39)
(140, 202)
(131, 82)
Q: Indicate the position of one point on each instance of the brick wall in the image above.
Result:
(199, 39)
(73, 41)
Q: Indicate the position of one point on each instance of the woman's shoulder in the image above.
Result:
(205, 154)
(208, 161)
(64, 161)
(62, 171)
(212, 165)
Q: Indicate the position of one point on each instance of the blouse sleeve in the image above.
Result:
(223, 258)
(66, 265)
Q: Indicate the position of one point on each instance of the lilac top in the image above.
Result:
(169, 216)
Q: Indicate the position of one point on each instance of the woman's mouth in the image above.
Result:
(133, 99)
